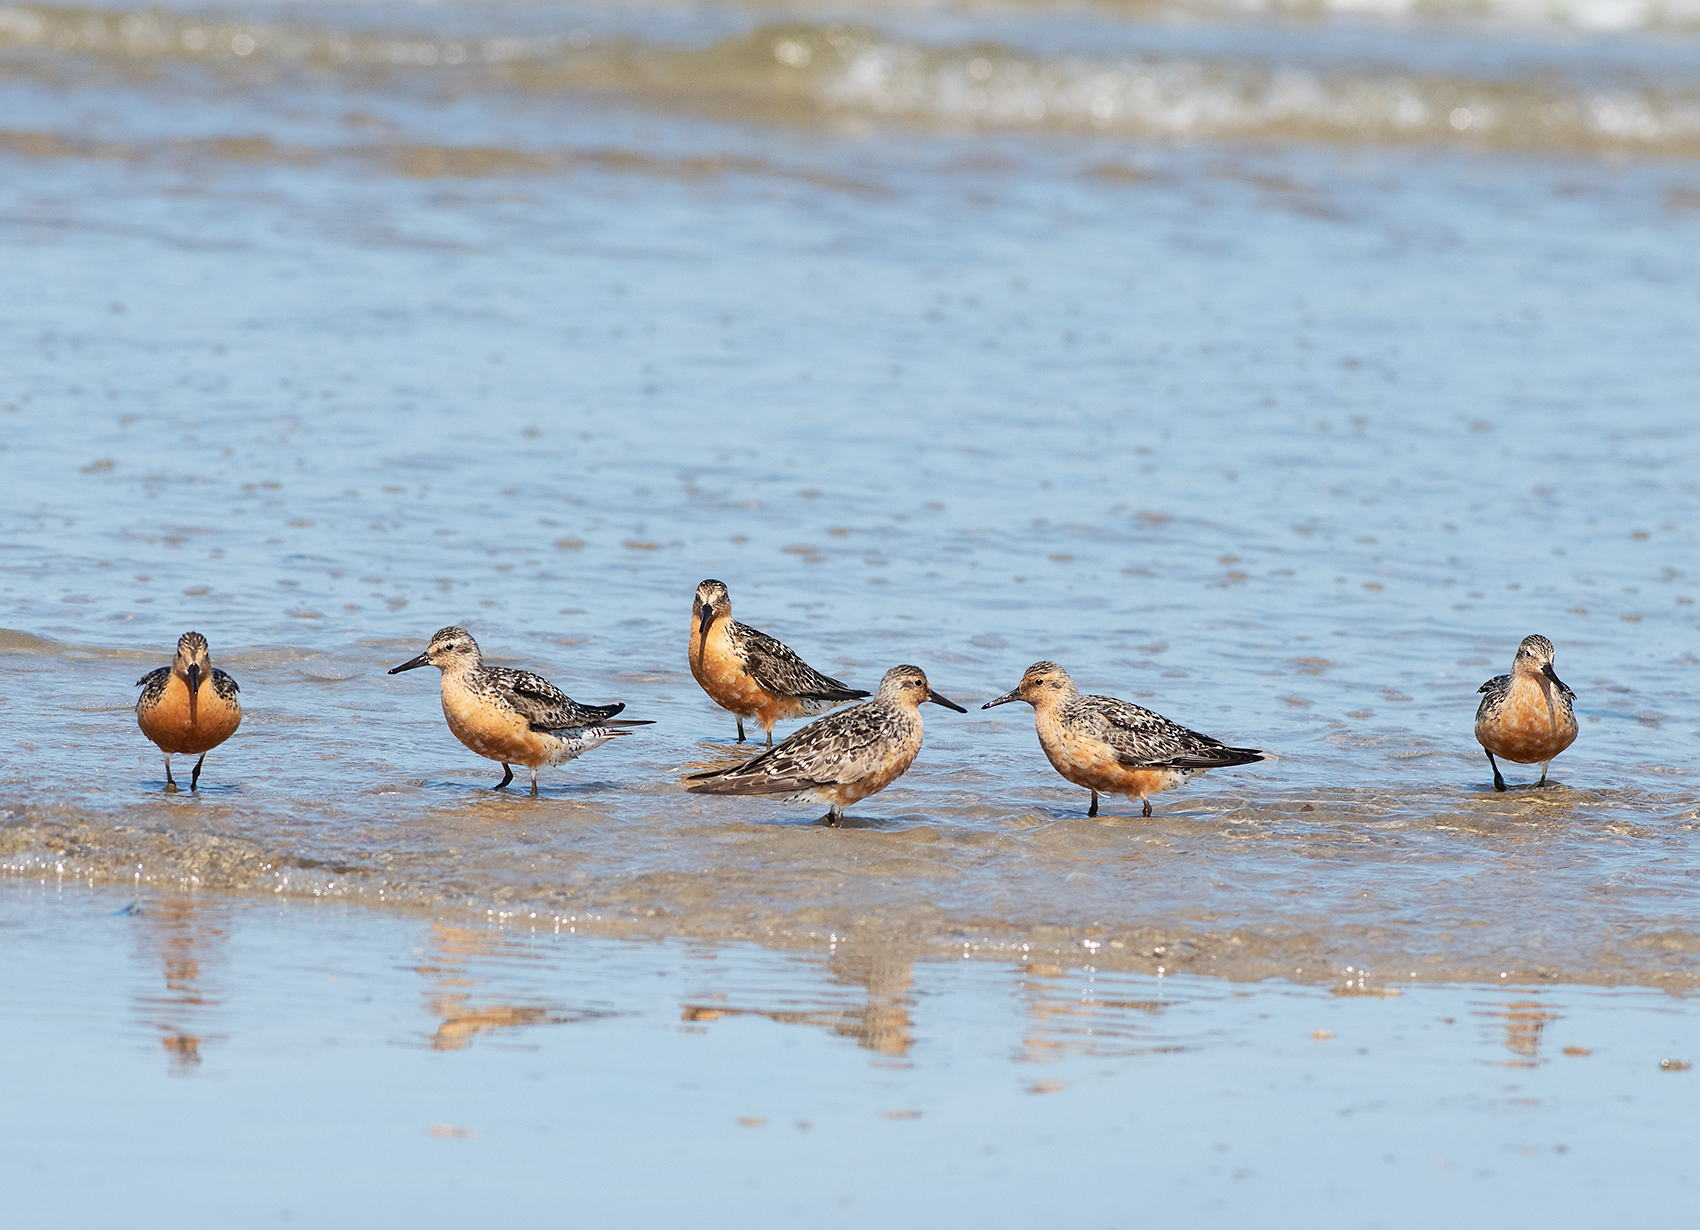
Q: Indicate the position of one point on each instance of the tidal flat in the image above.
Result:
(204, 1059)
(1276, 368)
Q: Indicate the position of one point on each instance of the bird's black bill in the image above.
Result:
(1552, 675)
(706, 618)
(423, 659)
(946, 702)
(1003, 700)
(194, 673)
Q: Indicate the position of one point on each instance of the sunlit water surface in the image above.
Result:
(1287, 423)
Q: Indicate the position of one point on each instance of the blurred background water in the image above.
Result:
(1276, 367)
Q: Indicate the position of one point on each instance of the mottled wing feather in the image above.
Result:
(1143, 739)
(777, 668)
(543, 705)
(152, 685)
(842, 747)
(1496, 689)
(224, 685)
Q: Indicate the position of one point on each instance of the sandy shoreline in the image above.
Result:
(1111, 894)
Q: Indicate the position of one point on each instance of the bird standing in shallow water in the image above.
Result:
(751, 674)
(841, 758)
(1526, 716)
(510, 716)
(1112, 746)
(189, 707)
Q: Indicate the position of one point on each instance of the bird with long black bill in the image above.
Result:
(749, 673)
(189, 707)
(1528, 716)
(843, 757)
(509, 716)
(1113, 746)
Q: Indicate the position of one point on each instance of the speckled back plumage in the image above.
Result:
(842, 747)
(1495, 691)
(543, 705)
(1143, 739)
(776, 666)
(854, 752)
(152, 685)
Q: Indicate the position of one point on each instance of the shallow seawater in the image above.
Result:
(1276, 371)
(318, 1064)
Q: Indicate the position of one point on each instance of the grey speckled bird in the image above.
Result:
(841, 758)
(749, 673)
(1112, 746)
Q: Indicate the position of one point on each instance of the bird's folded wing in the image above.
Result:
(1219, 757)
(224, 685)
(544, 706)
(152, 685)
(843, 747)
(1143, 739)
(777, 668)
(1498, 683)
(750, 785)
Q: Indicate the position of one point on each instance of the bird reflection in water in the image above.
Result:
(183, 935)
(1063, 1018)
(1524, 1022)
(881, 1024)
(455, 949)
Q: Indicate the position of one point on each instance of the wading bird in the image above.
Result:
(1111, 746)
(751, 674)
(843, 757)
(510, 716)
(189, 707)
(1526, 716)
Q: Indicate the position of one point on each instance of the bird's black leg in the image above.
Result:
(1498, 781)
(534, 783)
(1543, 780)
(740, 730)
(170, 782)
(1147, 807)
(770, 736)
(507, 776)
(1093, 810)
(834, 816)
(195, 777)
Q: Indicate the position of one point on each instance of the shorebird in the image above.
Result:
(750, 673)
(841, 758)
(188, 707)
(1526, 716)
(1112, 746)
(513, 717)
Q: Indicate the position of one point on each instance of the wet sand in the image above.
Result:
(310, 1064)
